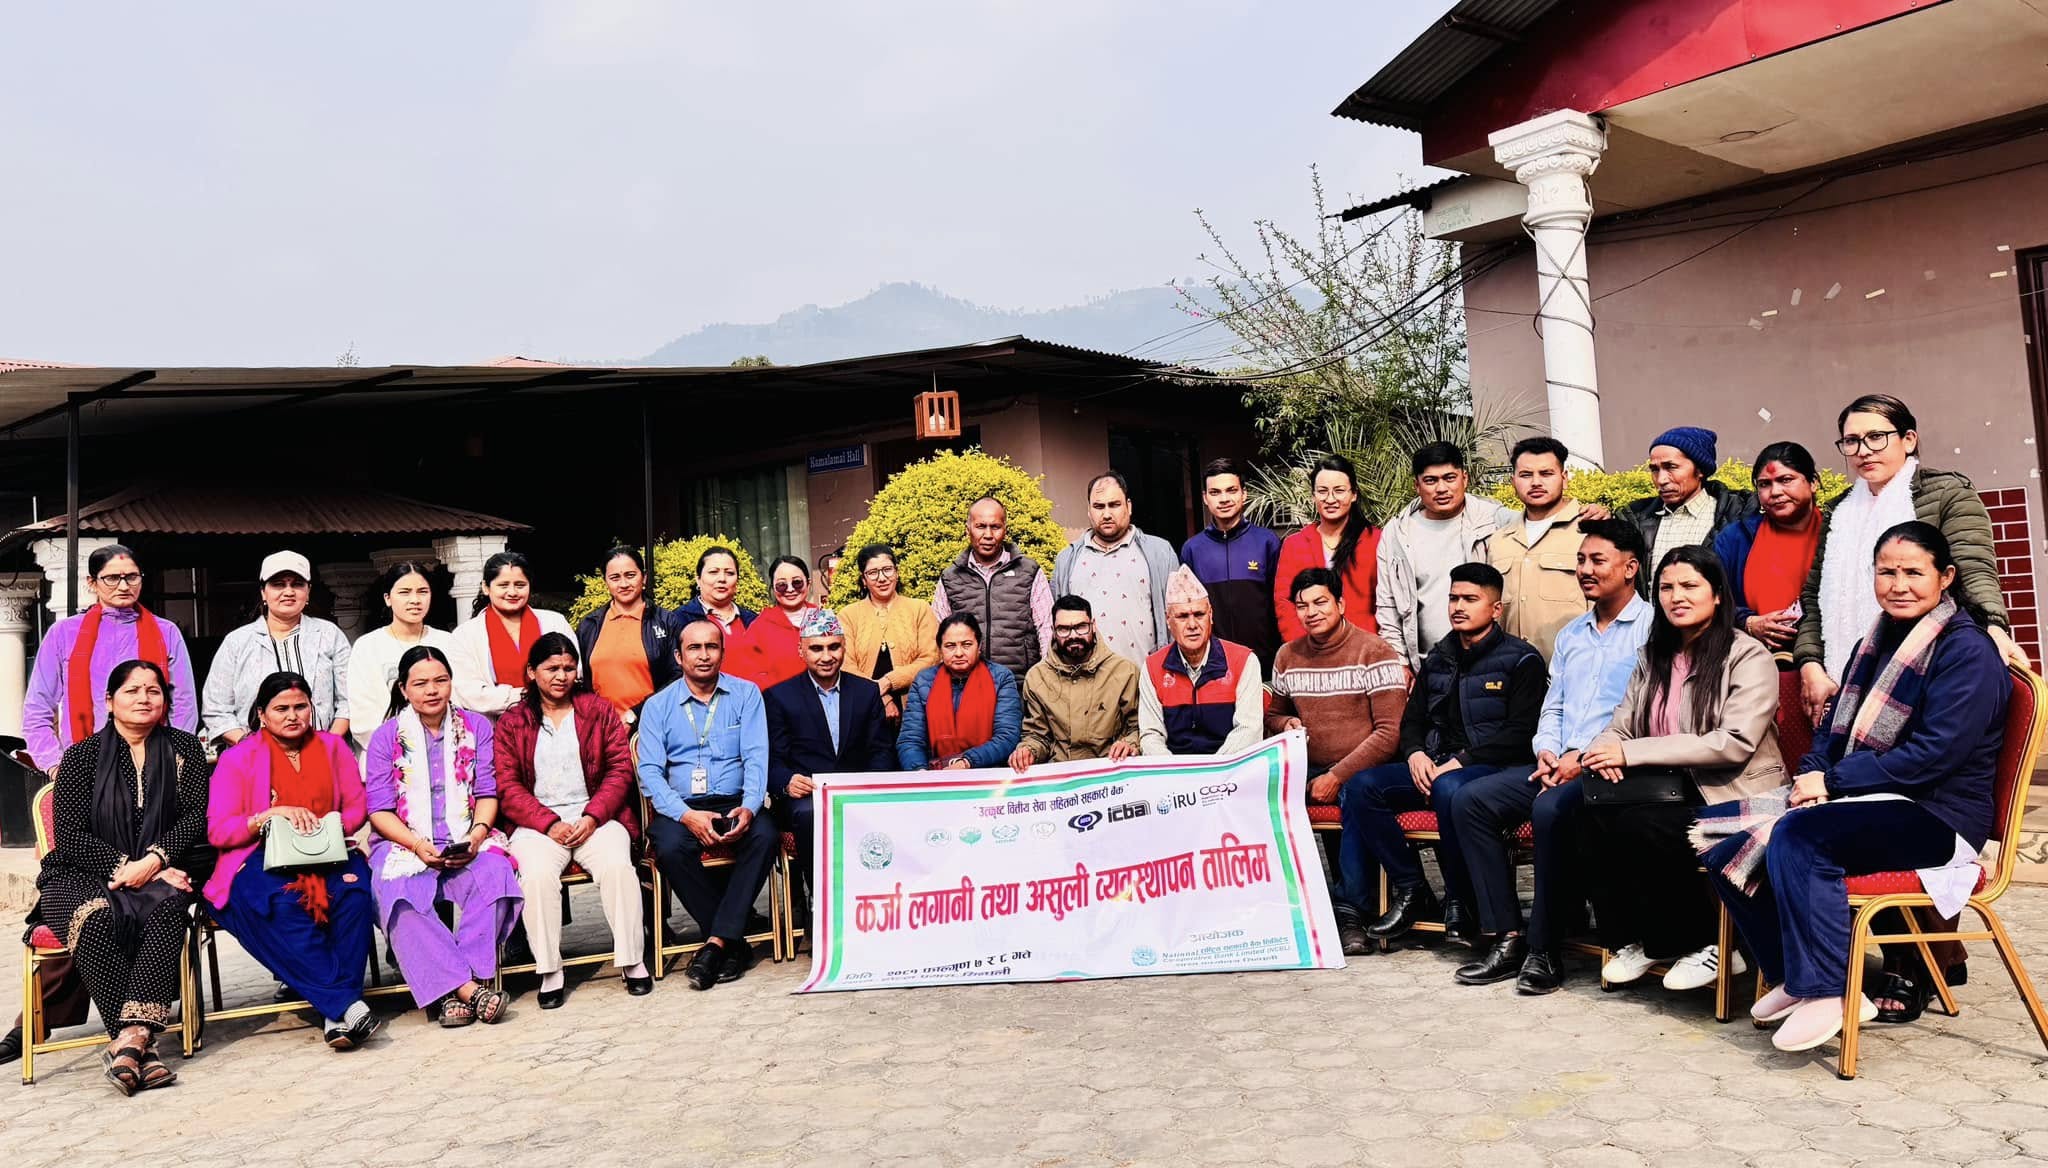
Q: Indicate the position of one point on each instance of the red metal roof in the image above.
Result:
(188, 509)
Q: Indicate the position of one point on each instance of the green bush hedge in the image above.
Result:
(922, 513)
(675, 577)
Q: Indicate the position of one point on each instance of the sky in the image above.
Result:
(258, 183)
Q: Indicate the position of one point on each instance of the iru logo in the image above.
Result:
(1125, 811)
(1086, 821)
(1217, 793)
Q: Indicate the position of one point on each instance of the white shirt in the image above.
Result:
(1438, 546)
(372, 668)
(558, 768)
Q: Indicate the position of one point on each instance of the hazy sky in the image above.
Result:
(215, 183)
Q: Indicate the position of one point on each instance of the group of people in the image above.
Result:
(1611, 679)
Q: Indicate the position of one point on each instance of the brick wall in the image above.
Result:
(2012, 527)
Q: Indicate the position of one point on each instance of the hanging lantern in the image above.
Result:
(938, 412)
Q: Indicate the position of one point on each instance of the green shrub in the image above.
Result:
(1618, 488)
(675, 577)
(922, 513)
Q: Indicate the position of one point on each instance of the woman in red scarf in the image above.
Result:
(489, 650)
(963, 712)
(309, 926)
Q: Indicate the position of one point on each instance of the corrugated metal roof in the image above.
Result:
(1417, 197)
(192, 509)
(1462, 40)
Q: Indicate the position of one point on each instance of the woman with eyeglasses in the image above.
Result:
(1340, 539)
(890, 637)
(282, 639)
(773, 651)
(1881, 441)
(65, 703)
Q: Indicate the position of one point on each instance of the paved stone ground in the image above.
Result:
(1387, 1062)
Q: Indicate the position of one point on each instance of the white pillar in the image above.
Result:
(464, 556)
(1552, 156)
(383, 558)
(350, 584)
(49, 554)
(17, 600)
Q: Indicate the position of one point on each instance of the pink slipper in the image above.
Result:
(1773, 1006)
(1815, 1021)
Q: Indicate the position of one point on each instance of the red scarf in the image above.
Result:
(309, 785)
(149, 646)
(954, 733)
(508, 657)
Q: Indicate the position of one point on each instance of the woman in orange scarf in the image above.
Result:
(488, 651)
(309, 926)
(963, 712)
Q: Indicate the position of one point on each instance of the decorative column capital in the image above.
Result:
(464, 556)
(1552, 156)
(18, 596)
(49, 556)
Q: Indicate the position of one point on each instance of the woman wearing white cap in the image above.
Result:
(285, 639)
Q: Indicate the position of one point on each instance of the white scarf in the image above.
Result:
(1848, 591)
(415, 786)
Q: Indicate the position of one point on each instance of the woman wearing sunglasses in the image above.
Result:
(772, 651)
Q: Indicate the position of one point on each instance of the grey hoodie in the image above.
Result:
(1394, 584)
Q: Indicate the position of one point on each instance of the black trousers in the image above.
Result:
(1644, 878)
(718, 899)
(1488, 811)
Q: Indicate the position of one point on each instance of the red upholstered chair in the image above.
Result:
(2026, 719)
(43, 946)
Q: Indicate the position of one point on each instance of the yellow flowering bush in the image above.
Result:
(922, 513)
(1617, 489)
(675, 577)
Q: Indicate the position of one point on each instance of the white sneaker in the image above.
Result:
(1626, 966)
(1698, 970)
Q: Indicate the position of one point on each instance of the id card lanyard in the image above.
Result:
(700, 778)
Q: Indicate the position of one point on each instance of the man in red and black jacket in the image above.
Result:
(1200, 694)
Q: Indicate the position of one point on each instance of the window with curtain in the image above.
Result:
(751, 506)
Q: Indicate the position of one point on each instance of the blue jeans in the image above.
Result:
(1369, 802)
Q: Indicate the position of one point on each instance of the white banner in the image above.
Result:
(1074, 870)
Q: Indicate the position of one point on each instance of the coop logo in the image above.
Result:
(1216, 793)
(1124, 811)
(1086, 821)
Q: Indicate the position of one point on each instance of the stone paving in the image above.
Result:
(1387, 1062)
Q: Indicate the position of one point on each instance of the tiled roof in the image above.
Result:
(187, 509)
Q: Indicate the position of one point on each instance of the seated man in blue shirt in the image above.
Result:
(1472, 712)
(704, 769)
(1589, 670)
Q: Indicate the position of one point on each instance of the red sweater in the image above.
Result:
(1303, 550)
(770, 651)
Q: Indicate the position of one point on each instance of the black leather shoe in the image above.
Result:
(1542, 973)
(1501, 962)
(10, 1046)
(1351, 935)
(705, 966)
(640, 987)
(739, 957)
(1459, 925)
(552, 999)
(1408, 906)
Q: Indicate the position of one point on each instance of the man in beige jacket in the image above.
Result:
(1537, 552)
(1081, 702)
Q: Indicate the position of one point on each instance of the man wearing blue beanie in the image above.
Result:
(1689, 507)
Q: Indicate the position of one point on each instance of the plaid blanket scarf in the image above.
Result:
(1868, 714)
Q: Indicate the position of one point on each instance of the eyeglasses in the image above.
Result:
(1874, 441)
(1072, 630)
(790, 586)
(124, 580)
(879, 574)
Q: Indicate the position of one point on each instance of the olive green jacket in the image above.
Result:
(1944, 500)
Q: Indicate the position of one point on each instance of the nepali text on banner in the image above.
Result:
(1074, 870)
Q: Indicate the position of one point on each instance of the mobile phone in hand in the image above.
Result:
(456, 850)
(721, 825)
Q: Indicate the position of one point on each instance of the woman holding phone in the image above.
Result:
(433, 800)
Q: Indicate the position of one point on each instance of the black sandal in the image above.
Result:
(1909, 996)
(154, 1073)
(123, 1068)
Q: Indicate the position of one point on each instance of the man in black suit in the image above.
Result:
(820, 722)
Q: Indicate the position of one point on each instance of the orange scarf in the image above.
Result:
(78, 681)
(955, 732)
(309, 785)
(508, 657)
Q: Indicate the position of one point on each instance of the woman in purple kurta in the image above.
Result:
(432, 800)
(46, 719)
